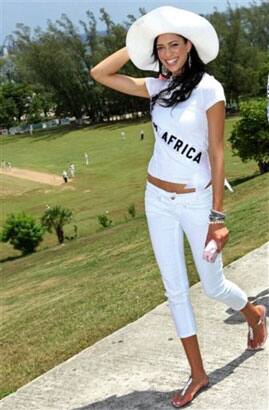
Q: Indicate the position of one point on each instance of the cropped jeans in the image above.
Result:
(169, 216)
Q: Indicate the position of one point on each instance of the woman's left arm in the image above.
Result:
(216, 120)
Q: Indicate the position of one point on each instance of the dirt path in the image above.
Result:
(49, 179)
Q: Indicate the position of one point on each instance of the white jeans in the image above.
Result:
(169, 216)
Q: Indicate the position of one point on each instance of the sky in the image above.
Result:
(35, 13)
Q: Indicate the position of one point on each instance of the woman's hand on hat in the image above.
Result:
(219, 233)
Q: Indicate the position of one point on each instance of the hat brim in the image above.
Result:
(142, 33)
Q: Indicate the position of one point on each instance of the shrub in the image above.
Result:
(23, 232)
(250, 135)
(72, 237)
(104, 221)
(132, 210)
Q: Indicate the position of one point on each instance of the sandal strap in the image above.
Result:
(251, 333)
(260, 322)
(186, 386)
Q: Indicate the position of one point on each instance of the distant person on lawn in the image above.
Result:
(72, 170)
(86, 156)
(65, 176)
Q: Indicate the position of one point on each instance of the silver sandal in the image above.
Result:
(262, 322)
(191, 396)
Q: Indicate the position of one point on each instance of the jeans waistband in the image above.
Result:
(189, 195)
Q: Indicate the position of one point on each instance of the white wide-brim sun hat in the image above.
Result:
(167, 19)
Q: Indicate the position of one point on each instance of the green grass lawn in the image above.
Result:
(62, 299)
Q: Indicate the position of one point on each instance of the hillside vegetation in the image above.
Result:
(62, 299)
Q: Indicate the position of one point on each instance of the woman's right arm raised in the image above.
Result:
(106, 73)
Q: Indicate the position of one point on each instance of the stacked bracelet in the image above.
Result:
(216, 217)
(218, 213)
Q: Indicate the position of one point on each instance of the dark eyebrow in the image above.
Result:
(169, 42)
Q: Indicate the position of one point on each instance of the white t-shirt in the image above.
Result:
(181, 134)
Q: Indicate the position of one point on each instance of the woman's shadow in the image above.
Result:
(156, 400)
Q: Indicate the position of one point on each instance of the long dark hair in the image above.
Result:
(180, 87)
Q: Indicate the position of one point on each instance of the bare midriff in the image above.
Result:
(171, 186)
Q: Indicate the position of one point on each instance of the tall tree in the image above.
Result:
(59, 60)
(255, 23)
(14, 103)
(238, 61)
(56, 60)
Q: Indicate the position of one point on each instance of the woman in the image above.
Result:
(185, 183)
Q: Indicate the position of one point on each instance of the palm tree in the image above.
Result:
(55, 218)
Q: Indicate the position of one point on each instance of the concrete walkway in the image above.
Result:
(142, 364)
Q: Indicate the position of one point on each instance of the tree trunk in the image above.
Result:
(60, 234)
(263, 166)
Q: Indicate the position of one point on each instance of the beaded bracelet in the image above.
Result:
(218, 221)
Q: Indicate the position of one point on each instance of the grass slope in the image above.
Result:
(64, 298)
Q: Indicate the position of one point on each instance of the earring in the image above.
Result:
(189, 60)
(164, 71)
